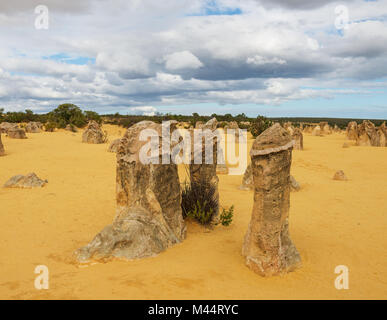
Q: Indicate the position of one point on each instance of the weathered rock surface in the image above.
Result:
(16, 133)
(294, 185)
(148, 217)
(367, 134)
(206, 171)
(316, 131)
(267, 246)
(32, 127)
(71, 128)
(339, 175)
(2, 151)
(232, 125)
(298, 139)
(5, 126)
(351, 130)
(31, 180)
(93, 133)
(114, 145)
(221, 169)
(247, 180)
(289, 127)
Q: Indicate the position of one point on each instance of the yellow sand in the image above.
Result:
(331, 222)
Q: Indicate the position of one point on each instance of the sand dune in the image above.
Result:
(331, 223)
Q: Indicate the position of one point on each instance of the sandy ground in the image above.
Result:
(331, 222)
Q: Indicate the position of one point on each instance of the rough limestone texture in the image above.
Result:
(367, 134)
(204, 171)
(16, 133)
(114, 145)
(298, 139)
(221, 169)
(267, 247)
(148, 216)
(351, 130)
(289, 127)
(316, 131)
(5, 126)
(31, 180)
(232, 125)
(93, 133)
(294, 185)
(32, 127)
(2, 151)
(339, 175)
(382, 132)
(247, 180)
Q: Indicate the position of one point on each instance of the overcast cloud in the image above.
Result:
(146, 55)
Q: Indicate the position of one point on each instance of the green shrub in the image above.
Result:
(225, 217)
(199, 201)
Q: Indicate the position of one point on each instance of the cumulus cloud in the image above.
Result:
(130, 55)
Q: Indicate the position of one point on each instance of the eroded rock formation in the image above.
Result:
(16, 133)
(247, 180)
(267, 246)
(148, 217)
(316, 131)
(2, 151)
(339, 175)
(351, 130)
(298, 139)
(31, 180)
(93, 133)
(114, 145)
(205, 171)
(5, 126)
(32, 127)
(367, 134)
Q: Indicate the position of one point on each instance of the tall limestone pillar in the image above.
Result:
(2, 152)
(267, 247)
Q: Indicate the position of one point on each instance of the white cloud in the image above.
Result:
(182, 60)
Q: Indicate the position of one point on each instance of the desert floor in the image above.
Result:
(331, 223)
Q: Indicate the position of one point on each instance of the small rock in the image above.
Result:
(339, 175)
(16, 133)
(346, 145)
(114, 145)
(294, 185)
(31, 180)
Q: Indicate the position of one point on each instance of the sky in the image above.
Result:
(275, 58)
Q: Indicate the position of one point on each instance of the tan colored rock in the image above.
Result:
(233, 125)
(114, 145)
(199, 124)
(32, 127)
(326, 129)
(2, 151)
(221, 169)
(247, 181)
(298, 139)
(204, 171)
(367, 134)
(93, 133)
(382, 137)
(339, 175)
(31, 180)
(16, 133)
(267, 247)
(294, 185)
(289, 127)
(71, 128)
(5, 126)
(148, 217)
(346, 145)
(316, 131)
(351, 131)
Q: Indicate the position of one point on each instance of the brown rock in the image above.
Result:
(94, 133)
(71, 128)
(148, 217)
(267, 246)
(298, 139)
(339, 175)
(32, 127)
(16, 133)
(294, 185)
(31, 180)
(204, 171)
(2, 151)
(351, 130)
(233, 125)
(316, 131)
(247, 181)
(5, 126)
(367, 134)
(114, 145)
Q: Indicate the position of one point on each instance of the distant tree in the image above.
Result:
(91, 115)
(259, 125)
(66, 114)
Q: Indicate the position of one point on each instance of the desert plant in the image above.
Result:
(225, 217)
(50, 126)
(199, 201)
(259, 125)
